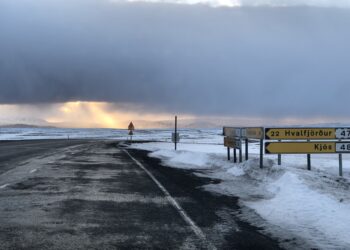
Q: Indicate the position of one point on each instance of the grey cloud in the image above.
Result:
(193, 59)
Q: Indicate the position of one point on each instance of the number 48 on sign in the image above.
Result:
(343, 147)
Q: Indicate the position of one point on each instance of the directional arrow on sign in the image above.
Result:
(300, 147)
(300, 133)
(306, 133)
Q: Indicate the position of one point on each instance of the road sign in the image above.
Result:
(232, 131)
(175, 137)
(306, 133)
(342, 133)
(253, 133)
(342, 147)
(131, 126)
(232, 142)
(319, 147)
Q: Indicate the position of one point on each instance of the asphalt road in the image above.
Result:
(95, 195)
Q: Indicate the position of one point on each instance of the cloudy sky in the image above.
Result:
(103, 62)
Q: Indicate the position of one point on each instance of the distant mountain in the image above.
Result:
(24, 126)
(182, 123)
(24, 122)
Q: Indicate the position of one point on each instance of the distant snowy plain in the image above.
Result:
(304, 209)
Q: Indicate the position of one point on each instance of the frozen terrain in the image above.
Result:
(164, 135)
(283, 200)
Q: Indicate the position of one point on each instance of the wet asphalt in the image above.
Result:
(91, 195)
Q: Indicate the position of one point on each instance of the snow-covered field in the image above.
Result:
(187, 135)
(287, 201)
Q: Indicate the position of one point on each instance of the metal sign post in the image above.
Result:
(175, 141)
(261, 153)
(246, 149)
(240, 152)
(340, 165)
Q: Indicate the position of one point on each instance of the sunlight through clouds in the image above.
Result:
(97, 114)
(241, 3)
(213, 3)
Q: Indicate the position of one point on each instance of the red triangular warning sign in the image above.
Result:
(131, 126)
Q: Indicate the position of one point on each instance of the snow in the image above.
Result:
(309, 205)
(304, 209)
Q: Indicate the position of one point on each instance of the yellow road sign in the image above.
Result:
(300, 133)
(231, 142)
(301, 147)
(232, 131)
(253, 133)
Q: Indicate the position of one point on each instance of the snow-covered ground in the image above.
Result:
(287, 201)
(187, 135)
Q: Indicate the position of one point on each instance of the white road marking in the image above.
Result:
(33, 170)
(176, 205)
(3, 186)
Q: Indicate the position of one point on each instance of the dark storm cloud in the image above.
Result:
(194, 59)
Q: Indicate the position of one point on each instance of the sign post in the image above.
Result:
(279, 158)
(175, 139)
(308, 160)
(246, 149)
(240, 152)
(131, 128)
(261, 153)
(340, 165)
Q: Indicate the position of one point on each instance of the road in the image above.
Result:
(100, 195)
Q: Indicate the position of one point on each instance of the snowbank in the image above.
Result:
(313, 205)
